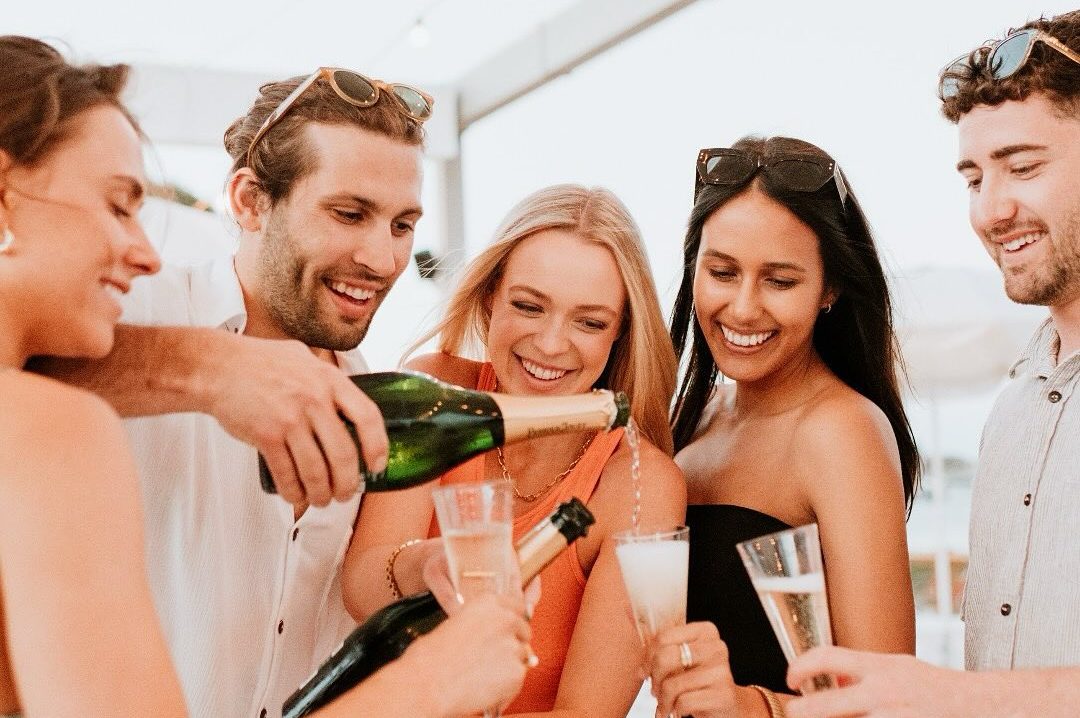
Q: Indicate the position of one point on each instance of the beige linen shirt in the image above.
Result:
(1022, 600)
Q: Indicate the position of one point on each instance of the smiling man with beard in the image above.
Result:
(251, 353)
(1016, 103)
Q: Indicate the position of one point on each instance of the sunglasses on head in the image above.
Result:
(793, 171)
(355, 89)
(1005, 59)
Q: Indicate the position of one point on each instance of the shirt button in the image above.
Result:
(1054, 397)
(1006, 609)
(262, 713)
(1027, 499)
(295, 533)
(281, 625)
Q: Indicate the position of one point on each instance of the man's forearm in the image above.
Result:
(1035, 693)
(151, 370)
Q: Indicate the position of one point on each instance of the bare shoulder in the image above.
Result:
(841, 439)
(843, 418)
(447, 367)
(663, 489)
(52, 426)
(33, 401)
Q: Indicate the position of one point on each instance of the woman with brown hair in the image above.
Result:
(78, 631)
(560, 303)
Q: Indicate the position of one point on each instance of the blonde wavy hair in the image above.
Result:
(642, 361)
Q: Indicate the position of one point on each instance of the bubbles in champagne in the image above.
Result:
(799, 613)
(481, 559)
(654, 573)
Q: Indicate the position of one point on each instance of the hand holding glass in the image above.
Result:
(787, 573)
(476, 522)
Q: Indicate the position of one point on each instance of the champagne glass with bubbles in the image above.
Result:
(653, 568)
(787, 573)
(476, 521)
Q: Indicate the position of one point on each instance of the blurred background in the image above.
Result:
(620, 93)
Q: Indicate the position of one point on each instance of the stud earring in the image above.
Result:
(7, 241)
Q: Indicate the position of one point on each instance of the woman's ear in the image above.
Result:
(828, 299)
(5, 170)
(246, 200)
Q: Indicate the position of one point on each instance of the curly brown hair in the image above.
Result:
(1046, 72)
(282, 155)
(41, 92)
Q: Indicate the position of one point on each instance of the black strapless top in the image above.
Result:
(719, 590)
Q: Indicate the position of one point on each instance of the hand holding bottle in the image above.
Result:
(389, 632)
(428, 426)
(464, 663)
(286, 402)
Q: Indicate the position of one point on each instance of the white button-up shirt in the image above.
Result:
(250, 599)
(1022, 600)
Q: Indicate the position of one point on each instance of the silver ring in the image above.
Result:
(686, 658)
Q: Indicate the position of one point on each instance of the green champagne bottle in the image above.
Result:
(434, 426)
(389, 631)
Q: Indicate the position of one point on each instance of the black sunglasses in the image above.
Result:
(1005, 59)
(793, 171)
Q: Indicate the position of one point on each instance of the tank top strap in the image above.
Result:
(580, 483)
(487, 380)
(586, 475)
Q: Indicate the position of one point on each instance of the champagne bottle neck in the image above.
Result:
(538, 548)
(530, 417)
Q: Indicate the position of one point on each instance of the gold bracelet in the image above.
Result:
(776, 708)
(391, 582)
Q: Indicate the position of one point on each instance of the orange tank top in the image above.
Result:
(562, 583)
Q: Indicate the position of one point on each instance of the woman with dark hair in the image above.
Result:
(78, 631)
(783, 295)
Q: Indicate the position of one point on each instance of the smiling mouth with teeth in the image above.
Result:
(355, 293)
(747, 340)
(543, 373)
(1021, 241)
(113, 290)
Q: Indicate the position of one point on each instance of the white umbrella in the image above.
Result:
(958, 331)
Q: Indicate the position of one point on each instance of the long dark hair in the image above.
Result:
(855, 338)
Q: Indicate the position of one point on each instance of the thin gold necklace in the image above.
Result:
(529, 498)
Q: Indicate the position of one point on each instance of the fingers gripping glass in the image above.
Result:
(1005, 59)
(355, 89)
(796, 172)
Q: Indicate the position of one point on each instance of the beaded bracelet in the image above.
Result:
(776, 708)
(391, 582)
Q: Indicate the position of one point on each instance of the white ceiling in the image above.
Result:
(281, 37)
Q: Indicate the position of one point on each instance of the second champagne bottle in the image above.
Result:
(434, 426)
(391, 630)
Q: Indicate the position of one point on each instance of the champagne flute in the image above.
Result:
(787, 573)
(653, 567)
(476, 521)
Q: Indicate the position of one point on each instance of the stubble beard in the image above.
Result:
(1057, 279)
(294, 307)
